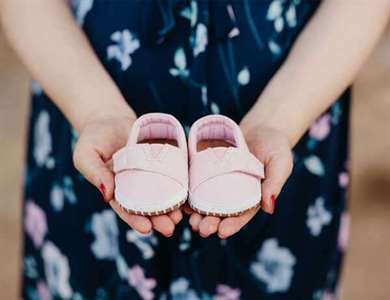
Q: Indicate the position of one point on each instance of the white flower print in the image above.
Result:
(201, 39)
(180, 59)
(191, 13)
(105, 229)
(214, 108)
(244, 76)
(121, 267)
(57, 271)
(274, 10)
(185, 240)
(281, 16)
(291, 15)
(68, 189)
(30, 267)
(61, 192)
(274, 266)
(336, 113)
(81, 9)
(42, 139)
(274, 14)
(314, 165)
(57, 197)
(76, 296)
(142, 285)
(235, 31)
(144, 242)
(274, 47)
(317, 216)
(204, 95)
(180, 290)
(180, 62)
(125, 45)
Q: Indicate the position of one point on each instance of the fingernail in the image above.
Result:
(102, 190)
(222, 236)
(272, 204)
(203, 235)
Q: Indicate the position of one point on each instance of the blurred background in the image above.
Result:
(366, 273)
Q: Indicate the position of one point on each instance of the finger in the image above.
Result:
(139, 223)
(277, 171)
(209, 226)
(187, 210)
(91, 165)
(176, 216)
(232, 225)
(195, 220)
(163, 224)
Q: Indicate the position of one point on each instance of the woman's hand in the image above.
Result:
(272, 148)
(99, 139)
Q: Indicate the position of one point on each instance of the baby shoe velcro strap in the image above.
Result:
(214, 162)
(162, 159)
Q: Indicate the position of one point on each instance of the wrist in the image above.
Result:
(274, 118)
(102, 110)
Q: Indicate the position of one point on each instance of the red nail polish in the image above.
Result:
(102, 190)
(272, 201)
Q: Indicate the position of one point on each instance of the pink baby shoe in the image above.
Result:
(224, 180)
(151, 171)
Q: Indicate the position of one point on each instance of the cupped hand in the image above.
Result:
(272, 148)
(99, 139)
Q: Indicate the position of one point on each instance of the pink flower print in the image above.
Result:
(328, 296)
(225, 292)
(43, 291)
(35, 223)
(343, 179)
(321, 128)
(140, 283)
(343, 237)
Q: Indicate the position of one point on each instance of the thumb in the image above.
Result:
(277, 170)
(91, 165)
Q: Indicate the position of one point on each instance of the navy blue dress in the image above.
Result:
(187, 58)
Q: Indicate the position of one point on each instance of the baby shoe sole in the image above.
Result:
(222, 215)
(152, 213)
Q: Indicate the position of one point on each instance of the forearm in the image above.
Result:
(58, 56)
(322, 64)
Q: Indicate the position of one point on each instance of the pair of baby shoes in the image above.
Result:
(157, 171)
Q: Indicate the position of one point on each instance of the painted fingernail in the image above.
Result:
(102, 190)
(272, 203)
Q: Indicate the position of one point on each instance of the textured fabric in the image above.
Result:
(187, 58)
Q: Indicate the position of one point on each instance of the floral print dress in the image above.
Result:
(187, 58)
